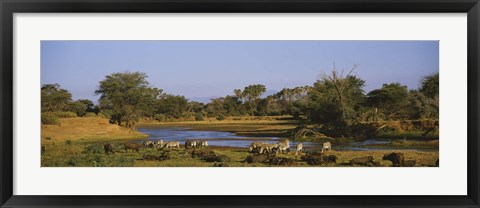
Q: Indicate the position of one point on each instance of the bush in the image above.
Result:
(49, 118)
(95, 149)
(104, 114)
(221, 117)
(159, 117)
(68, 142)
(90, 114)
(73, 161)
(199, 117)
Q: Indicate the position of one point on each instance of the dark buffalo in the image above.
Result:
(202, 154)
(133, 147)
(108, 149)
(165, 155)
(397, 159)
(282, 161)
(150, 157)
(364, 161)
(216, 158)
(257, 158)
(319, 159)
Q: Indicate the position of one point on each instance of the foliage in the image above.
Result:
(421, 106)
(49, 118)
(93, 149)
(127, 96)
(172, 106)
(54, 98)
(335, 98)
(199, 117)
(221, 117)
(160, 117)
(430, 85)
(391, 100)
(81, 107)
(250, 96)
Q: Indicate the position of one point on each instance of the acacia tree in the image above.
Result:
(334, 97)
(81, 107)
(126, 96)
(55, 98)
(430, 85)
(252, 95)
(391, 99)
(344, 88)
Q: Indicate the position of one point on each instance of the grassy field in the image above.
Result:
(87, 129)
(78, 142)
(92, 155)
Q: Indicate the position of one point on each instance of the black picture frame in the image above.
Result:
(9, 7)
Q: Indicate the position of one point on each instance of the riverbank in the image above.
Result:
(269, 126)
(87, 129)
(92, 155)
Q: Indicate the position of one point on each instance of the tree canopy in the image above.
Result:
(126, 96)
(54, 98)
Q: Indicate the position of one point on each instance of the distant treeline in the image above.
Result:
(334, 99)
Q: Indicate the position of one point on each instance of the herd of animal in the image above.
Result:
(263, 153)
(281, 147)
(159, 144)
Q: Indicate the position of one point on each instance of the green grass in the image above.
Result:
(92, 155)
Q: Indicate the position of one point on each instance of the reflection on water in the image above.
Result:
(219, 138)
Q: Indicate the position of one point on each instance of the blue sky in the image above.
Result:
(204, 69)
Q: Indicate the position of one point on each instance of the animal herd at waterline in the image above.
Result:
(260, 152)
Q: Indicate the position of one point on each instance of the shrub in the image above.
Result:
(73, 161)
(48, 138)
(159, 117)
(104, 114)
(90, 114)
(221, 117)
(92, 149)
(68, 142)
(63, 114)
(199, 117)
(49, 118)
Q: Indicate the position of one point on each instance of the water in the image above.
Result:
(219, 138)
(215, 138)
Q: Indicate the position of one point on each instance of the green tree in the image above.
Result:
(216, 107)
(252, 94)
(53, 98)
(391, 99)
(126, 96)
(430, 86)
(173, 106)
(232, 106)
(335, 98)
(81, 107)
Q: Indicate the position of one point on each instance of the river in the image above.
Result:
(220, 138)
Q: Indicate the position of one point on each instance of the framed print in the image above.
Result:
(263, 104)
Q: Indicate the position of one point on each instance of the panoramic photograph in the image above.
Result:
(288, 103)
